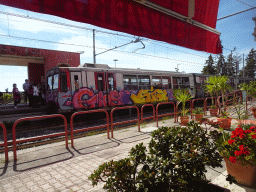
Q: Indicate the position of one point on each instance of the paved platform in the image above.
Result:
(54, 168)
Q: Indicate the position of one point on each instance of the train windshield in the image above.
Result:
(53, 82)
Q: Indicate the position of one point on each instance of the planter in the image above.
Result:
(225, 123)
(198, 117)
(245, 175)
(254, 112)
(184, 120)
(213, 112)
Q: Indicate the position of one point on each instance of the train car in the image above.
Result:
(97, 86)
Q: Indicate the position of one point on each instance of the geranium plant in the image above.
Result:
(240, 145)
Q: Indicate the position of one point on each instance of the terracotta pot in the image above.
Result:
(198, 117)
(184, 120)
(254, 112)
(225, 123)
(245, 175)
(213, 112)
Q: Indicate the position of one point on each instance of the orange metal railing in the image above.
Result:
(5, 142)
(41, 137)
(89, 128)
(123, 122)
(167, 114)
(151, 117)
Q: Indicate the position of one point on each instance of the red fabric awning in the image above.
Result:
(136, 19)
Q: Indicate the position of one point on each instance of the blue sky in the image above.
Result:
(236, 31)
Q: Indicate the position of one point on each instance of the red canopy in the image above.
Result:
(162, 20)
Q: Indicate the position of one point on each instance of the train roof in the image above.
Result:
(106, 68)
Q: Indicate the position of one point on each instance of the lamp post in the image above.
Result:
(177, 69)
(115, 61)
(81, 52)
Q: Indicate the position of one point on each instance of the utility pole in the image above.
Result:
(94, 55)
(243, 67)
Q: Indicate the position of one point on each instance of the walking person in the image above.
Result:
(16, 95)
(26, 89)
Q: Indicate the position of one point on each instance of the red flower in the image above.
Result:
(241, 147)
(248, 131)
(231, 141)
(232, 159)
(238, 153)
(254, 136)
(241, 136)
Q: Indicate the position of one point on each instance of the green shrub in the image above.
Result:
(176, 161)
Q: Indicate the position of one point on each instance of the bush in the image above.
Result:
(176, 160)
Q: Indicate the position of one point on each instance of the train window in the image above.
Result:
(55, 81)
(156, 82)
(100, 82)
(185, 82)
(144, 82)
(49, 82)
(63, 83)
(167, 83)
(130, 82)
(176, 82)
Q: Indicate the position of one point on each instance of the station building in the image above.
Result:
(38, 61)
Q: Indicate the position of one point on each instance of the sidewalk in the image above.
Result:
(54, 168)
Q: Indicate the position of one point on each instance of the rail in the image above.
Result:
(151, 117)
(200, 99)
(207, 107)
(246, 101)
(5, 142)
(167, 114)
(123, 122)
(177, 111)
(41, 137)
(88, 128)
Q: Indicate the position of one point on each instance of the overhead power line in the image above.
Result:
(235, 13)
(140, 54)
(244, 3)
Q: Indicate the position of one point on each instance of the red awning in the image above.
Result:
(155, 19)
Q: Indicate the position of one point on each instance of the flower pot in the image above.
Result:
(198, 117)
(254, 112)
(225, 123)
(184, 120)
(214, 112)
(245, 175)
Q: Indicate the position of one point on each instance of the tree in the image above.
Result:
(209, 68)
(249, 69)
(220, 64)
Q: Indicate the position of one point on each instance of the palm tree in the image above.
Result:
(223, 87)
(212, 87)
(182, 96)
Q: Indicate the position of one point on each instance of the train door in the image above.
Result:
(76, 81)
(111, 82)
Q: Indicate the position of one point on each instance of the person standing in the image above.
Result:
(30, 96)
(36, 95)
(16, 95)
(26, 89)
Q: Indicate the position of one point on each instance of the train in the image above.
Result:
(92, 86)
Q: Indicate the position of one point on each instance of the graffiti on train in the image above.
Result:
(87, 97)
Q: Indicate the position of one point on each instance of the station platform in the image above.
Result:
(21, 108)
(53, 168)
